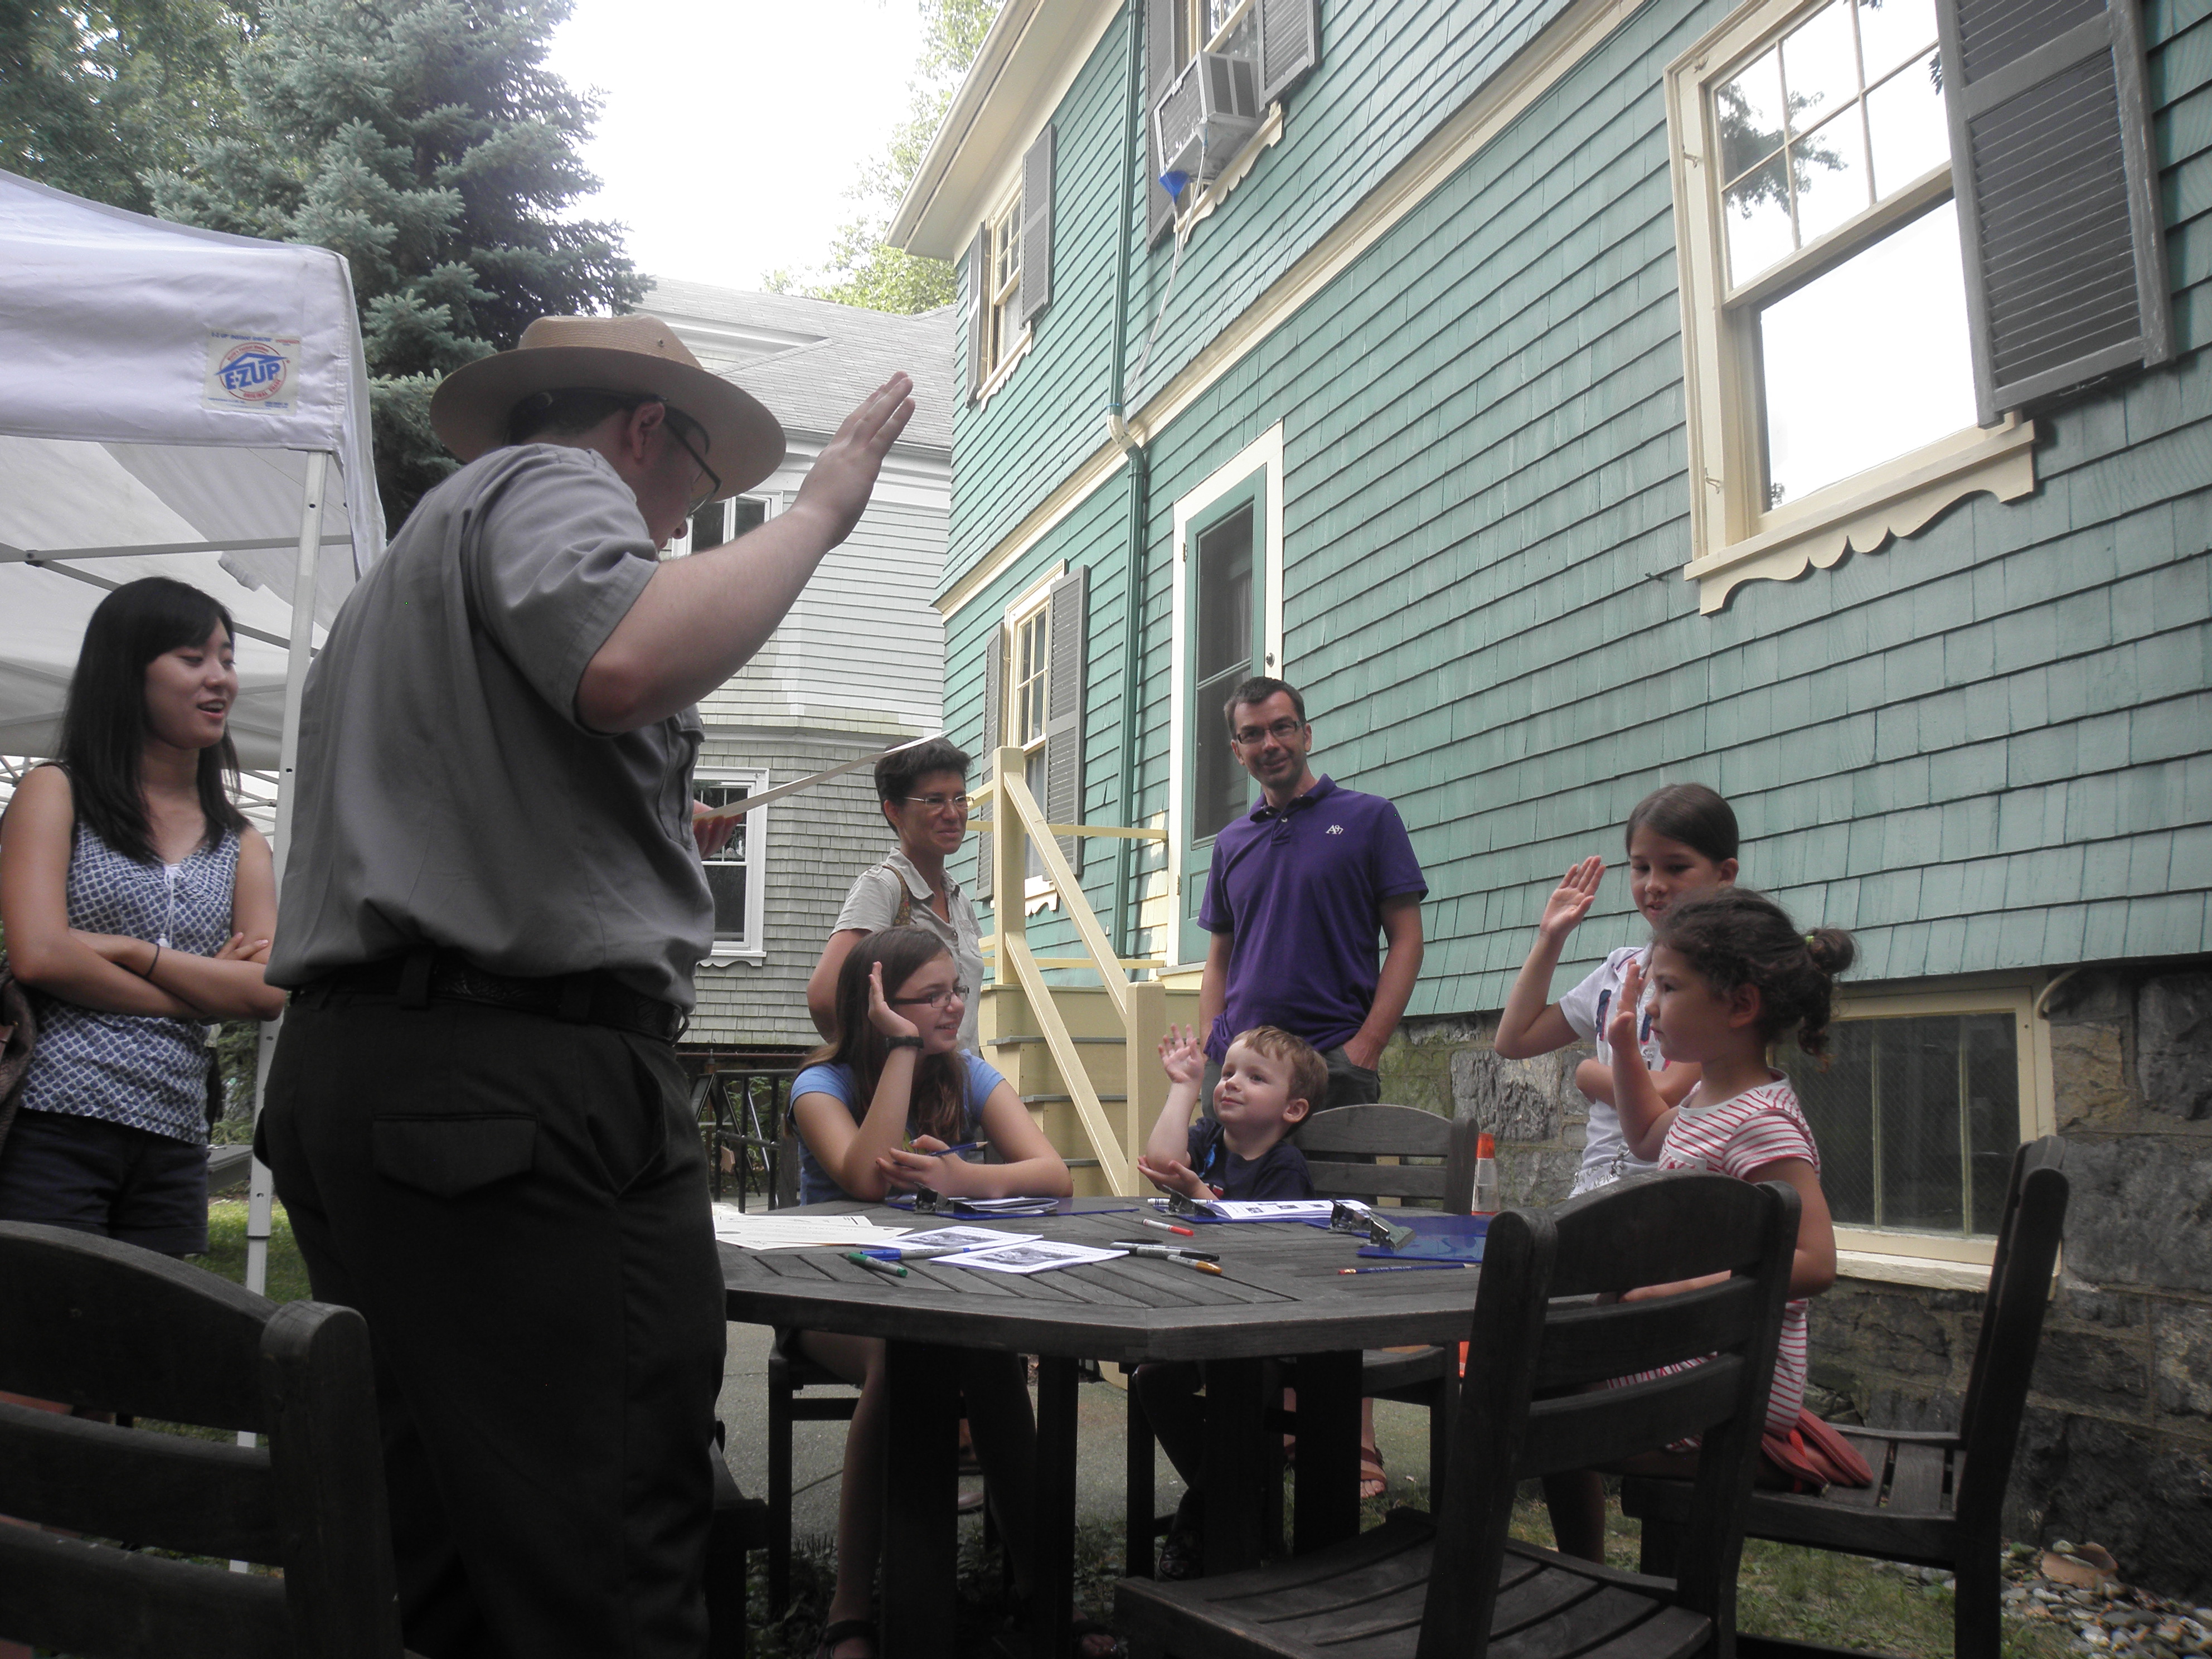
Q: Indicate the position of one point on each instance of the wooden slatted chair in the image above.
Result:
(1377, 1596)
(112, 1327)
(1343, 1148)
(1938, 1498)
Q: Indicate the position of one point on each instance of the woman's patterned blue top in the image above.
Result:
(144, 1070)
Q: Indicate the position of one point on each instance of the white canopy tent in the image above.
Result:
(175, 402)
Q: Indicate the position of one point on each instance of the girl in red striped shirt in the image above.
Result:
(1730, 973)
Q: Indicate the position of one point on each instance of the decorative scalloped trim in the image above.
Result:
(2001, 462)
(1269, 131)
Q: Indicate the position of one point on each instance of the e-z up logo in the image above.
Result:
(250, 372)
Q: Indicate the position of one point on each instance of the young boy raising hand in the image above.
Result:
(1269, 1081)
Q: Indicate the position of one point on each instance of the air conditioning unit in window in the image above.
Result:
(1206, 114)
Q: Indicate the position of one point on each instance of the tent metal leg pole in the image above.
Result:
(295, 680)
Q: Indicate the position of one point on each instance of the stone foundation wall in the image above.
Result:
(2116, 1446)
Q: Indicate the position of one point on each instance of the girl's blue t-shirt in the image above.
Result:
(816, 1185)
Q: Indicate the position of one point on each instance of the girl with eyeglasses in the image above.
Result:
(873, 1109)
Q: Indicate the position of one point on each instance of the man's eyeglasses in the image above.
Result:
(938, 803)
(936, 999)
(713, 487)
(1251, 737)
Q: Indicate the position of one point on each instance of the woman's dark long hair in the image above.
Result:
(940, 1082)
(103, 727)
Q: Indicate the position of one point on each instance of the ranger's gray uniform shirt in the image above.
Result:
(447, 795)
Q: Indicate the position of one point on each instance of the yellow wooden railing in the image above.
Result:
(1017, 823)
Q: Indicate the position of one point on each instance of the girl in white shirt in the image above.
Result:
(1681, 842)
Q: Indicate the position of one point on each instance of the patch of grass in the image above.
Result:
(225, 1252)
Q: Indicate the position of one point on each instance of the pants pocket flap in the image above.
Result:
(447, 1155)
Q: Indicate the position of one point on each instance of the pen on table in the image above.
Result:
(1406, 1267)
(1167, 1226)
(877, 1262)
(1139, 1247)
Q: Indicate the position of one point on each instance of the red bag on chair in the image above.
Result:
(1813, 1456)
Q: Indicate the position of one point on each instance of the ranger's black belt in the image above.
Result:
(591, 999)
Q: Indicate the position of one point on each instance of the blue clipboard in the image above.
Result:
(1436, 1239)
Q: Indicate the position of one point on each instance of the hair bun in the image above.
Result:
(1830, 949)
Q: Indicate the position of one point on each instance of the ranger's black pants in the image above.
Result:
(518, 1206)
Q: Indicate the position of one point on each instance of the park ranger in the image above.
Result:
(490, 914)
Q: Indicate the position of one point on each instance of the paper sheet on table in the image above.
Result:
(784, 1231)
(1036, 1257)
(962, 1238)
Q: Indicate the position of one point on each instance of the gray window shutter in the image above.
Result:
(2058, 211)
(1036, 227)
(1290, 45)
(1067, 629)
(994, 651)
(1159, 70)
(979, 306)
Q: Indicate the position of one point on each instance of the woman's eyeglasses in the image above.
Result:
(936, 999)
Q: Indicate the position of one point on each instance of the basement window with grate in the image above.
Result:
(1902, 224)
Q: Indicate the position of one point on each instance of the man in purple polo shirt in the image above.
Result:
(1299, 890)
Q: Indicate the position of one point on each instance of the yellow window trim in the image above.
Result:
(1733, 538)
(1037, 892)
(1951, 1260)
(1004, 371)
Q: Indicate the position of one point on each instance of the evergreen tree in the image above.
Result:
(862, 270)
(95, 97)
(425, 141)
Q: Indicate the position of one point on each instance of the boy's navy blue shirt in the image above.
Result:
(1278, 1172)
(1301, 889)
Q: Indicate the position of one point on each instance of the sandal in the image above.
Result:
(1374, 1481)
(845, 1630)
(1082, 1641)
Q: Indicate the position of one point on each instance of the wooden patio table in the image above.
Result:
(1280, 1293)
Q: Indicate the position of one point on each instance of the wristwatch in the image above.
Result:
(903, 1042)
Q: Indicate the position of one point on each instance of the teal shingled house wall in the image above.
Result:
(1987, 746)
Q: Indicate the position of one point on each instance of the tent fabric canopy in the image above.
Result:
(161, 388)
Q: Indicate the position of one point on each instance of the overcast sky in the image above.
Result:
(731, 129)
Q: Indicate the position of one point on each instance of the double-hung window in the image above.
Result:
(1922, 1099)
(1216, 73)
(1889, 247)
(1010, 271)
(722, 521)
(736, 874)
(1034, 663)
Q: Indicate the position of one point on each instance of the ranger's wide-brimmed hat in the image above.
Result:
(633, 354)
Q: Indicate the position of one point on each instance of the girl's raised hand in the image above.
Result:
(1627, 1009)
(1571, 901)
(1183, 1056)
(881, 1015)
